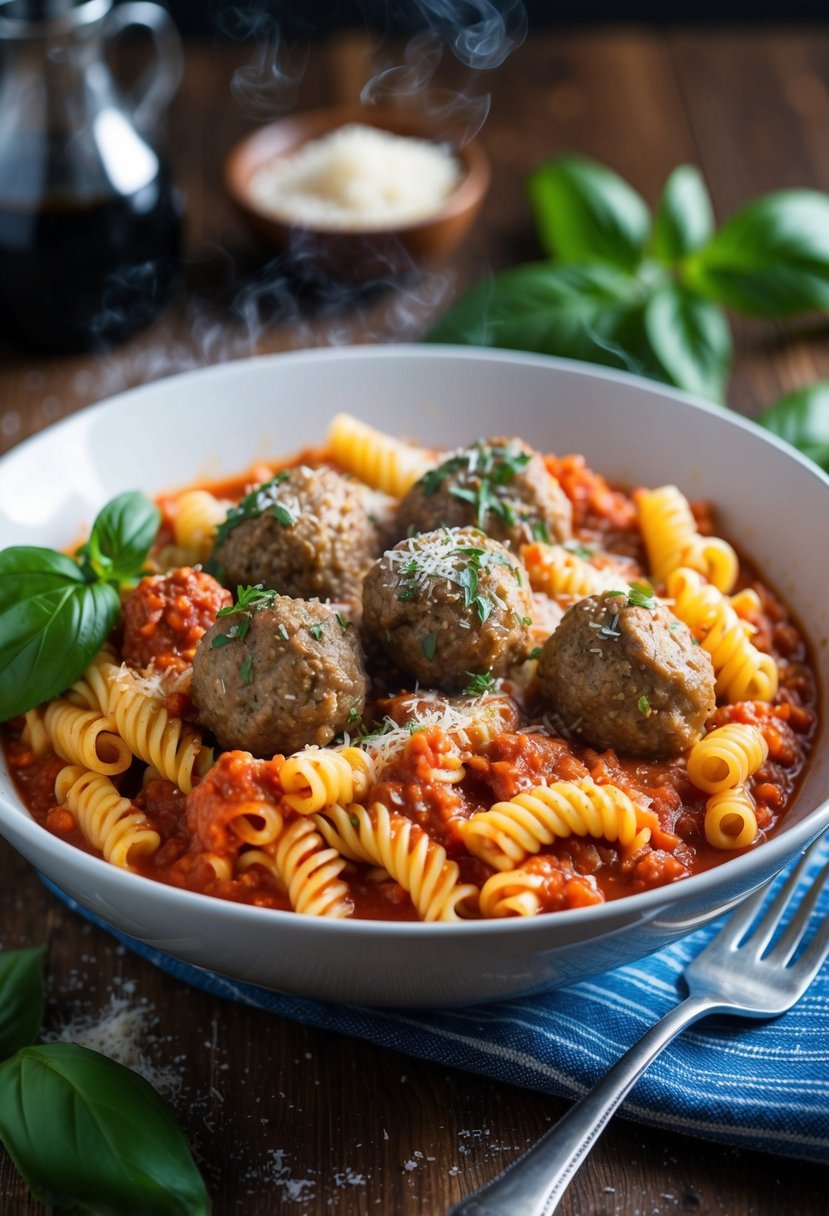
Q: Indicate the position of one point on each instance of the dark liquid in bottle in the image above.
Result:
(86, 275)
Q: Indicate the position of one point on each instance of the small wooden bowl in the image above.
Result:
(362, 254)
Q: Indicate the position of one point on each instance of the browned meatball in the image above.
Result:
(166, 614)
(278, 675)
(305, 533)
(447, 604)
(499, 485)
(621, 671)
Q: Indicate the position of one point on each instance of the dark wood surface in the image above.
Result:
(282, 1118)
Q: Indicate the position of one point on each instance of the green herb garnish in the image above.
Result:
(246, 670)
(283, 632)
(429, 644)
(479, 684)
(248, 599)
(644, 706)
(343, 622)
(56, 611)
(260, 501)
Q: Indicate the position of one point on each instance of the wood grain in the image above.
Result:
(284, 1118)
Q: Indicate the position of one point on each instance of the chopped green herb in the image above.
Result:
(580, 550)
(353, 715)
(480, 470)
(641, 596)
(246, 670)
(316, 630)
(535, 653)
(283, 633)
(284, 515)
(343, 621)
(260, 500)
(612, 630)
(220, 640)
(644, 706)
(539, 530)
(429, 644)
(479, 684)
(248, 598)
(355, 822)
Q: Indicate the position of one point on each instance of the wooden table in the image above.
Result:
(282, 1118)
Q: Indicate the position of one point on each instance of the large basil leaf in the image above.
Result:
(121, 537)
(802, 419)
(539, 307)
(690, 338)
(21, 998)
(52, 623)
(771, 259)
(685, 218)
(585, 212)
(85, 1131)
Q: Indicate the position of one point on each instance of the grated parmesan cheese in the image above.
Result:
(357, 178)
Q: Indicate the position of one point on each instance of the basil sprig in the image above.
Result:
(84, 1131)
(56, 610)
(642, 293)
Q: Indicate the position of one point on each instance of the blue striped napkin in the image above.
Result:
(761, 1085)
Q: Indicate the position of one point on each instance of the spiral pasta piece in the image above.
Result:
(511, 893)
(672, 540)
(556, 571)
(167, 743)
(109, 822)
(34, 733)
(726, 757)
(83, 736)
(743, 673)
(311, 871)
(319, 776)
(379, 460)
(407, 854)
(509, 832)
(730, 819)
(94, 689)
(198, 515)
(257, 823)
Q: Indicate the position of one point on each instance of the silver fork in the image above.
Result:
(739, 972)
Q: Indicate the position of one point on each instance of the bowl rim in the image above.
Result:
(638, 907)
(467, 194)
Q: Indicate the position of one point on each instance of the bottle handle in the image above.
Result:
(155, 88)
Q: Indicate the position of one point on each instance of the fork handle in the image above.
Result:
(535, 1183)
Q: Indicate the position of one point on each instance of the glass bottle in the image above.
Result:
(90, 219)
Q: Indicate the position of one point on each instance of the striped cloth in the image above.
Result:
(761, 1085)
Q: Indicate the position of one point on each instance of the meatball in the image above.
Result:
(501, 486)
(277, 675)
(167, 614)
(448, 604)
(623, 672)
(305, 533)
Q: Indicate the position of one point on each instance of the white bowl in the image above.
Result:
(772, 502)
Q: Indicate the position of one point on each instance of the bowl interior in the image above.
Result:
(218, 421)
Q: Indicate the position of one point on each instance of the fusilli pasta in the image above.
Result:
(83, 736)
(672, 540)
(726, 757)
(382, 462)
(743, 673)
(319, 776)
(730, 819)
(167, 743)
(510, 831)
(108, 821)
(311, 871)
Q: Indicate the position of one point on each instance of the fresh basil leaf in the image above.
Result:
(691, 340)
(52, 623)
(685, 218)
(539, 307)
(802, 419)
(771, 259)
(585, 212)
(121, 537)
(21, 998)
(87, 1132)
